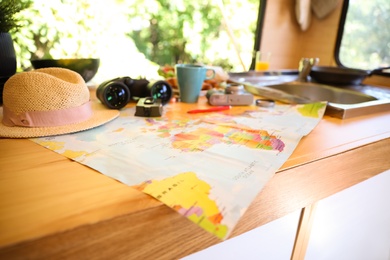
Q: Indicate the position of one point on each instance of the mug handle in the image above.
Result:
(212, 76)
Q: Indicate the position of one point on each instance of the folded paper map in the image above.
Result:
(207, 167)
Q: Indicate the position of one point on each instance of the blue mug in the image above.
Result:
(190, 80)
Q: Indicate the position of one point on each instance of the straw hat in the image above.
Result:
(49, 101)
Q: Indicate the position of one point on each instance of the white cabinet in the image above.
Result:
(274, 240)
(353, 224)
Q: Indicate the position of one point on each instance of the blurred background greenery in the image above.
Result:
(366, 38)
(135, 37)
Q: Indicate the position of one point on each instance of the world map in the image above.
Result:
(208, 168)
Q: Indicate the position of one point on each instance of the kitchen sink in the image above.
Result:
(319, 92)
(343, 102)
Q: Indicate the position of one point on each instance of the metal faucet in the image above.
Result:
(305, 65)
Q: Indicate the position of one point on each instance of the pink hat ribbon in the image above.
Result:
(48, 118)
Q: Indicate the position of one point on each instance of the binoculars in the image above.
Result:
(116, 93)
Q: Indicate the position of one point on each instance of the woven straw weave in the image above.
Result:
(45, 89)
(49, 89)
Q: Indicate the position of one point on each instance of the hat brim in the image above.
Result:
(100, 116)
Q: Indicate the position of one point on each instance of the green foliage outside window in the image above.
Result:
(135, 37)
(9, 14)
(366, 39)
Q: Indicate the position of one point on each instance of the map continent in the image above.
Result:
(189, 196)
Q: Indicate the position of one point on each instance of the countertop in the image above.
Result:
(52, 207)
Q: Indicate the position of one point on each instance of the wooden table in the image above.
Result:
(52, 207)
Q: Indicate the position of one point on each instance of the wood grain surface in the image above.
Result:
(52, 207)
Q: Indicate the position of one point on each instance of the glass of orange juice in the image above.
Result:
(262, 60)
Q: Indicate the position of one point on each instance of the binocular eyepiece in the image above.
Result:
(116, 93)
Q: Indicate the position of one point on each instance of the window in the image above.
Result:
(364, 34)
(135, 37)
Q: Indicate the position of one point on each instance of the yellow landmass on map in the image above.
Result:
(51, 145)
(188, 195)
(73, 154)
(312, 110)
(55, 146)
(118, 130)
